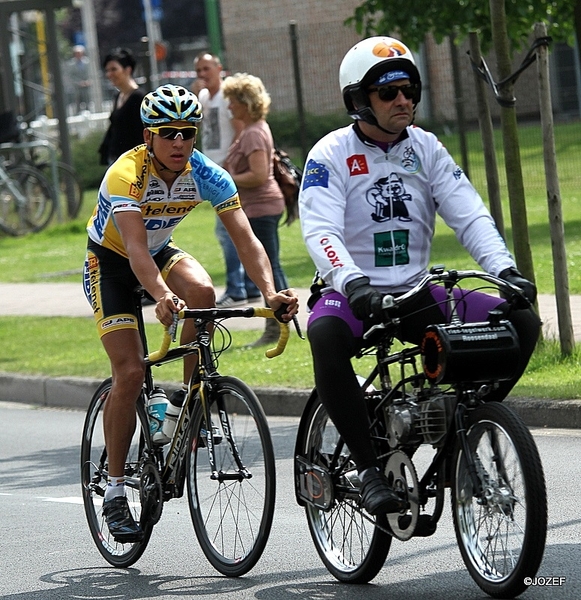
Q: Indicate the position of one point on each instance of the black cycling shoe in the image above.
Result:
(377, 496)
(120, 521)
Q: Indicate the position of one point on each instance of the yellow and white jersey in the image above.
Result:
(132, 184)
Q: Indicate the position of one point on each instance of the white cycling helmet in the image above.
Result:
(365, 64)
(170, 103)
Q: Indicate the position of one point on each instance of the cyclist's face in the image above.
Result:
(394, 115)
(173, 153)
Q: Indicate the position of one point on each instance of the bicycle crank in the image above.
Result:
(401, 474)
(151, 494)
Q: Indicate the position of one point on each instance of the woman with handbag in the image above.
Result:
(249, 161)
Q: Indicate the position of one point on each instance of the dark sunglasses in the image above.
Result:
(188, 132)
(390, 92)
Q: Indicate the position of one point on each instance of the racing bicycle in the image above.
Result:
(432, 395)
(221, 452)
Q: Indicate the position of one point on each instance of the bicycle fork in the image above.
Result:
(218, 475)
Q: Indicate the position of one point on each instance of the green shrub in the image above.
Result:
(286, 130)
(86, 160)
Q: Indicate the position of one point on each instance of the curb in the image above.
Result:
(76, 392)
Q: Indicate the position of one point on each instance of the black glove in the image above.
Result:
(364, 300)
(513, 276)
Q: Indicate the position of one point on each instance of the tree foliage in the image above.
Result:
(414, 19)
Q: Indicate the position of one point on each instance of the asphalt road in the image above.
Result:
(46, 552)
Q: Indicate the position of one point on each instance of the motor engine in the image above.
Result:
(414, 421)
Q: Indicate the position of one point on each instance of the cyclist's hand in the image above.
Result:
(167, 305)
(513, 276)
(364, 300)
(285, 304)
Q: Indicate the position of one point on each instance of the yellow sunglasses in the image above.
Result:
(188, 132)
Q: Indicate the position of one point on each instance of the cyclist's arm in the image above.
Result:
(134, 236)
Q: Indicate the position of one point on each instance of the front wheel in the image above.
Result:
(232, 505)
(501, 533)
(352, 544)
(94, 472)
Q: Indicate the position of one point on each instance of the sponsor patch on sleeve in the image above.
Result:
(315, 175)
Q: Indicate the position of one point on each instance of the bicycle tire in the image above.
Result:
(232, 518)
(70, 186)
(501, 540)
(348, 540)
(94, 480)
(18, 218)
(40, 206)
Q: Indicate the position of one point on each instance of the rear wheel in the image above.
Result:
(349, 540)
(70, 187)
(26, 201)
(502, 534)
(232, 507)
(94, 472)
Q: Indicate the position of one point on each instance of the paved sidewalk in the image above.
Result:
(67, 299)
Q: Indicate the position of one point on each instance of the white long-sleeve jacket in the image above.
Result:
(366, 212)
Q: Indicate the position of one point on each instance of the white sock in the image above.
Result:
(115, 487)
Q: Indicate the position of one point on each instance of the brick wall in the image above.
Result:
(257, 40)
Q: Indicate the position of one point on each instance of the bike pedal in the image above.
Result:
(425, 527)
(313, 484)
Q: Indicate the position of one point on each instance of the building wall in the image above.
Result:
(257, 40)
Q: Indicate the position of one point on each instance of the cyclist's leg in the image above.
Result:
(333, 326)
(190, 281)
(109, 284)
(125, 354)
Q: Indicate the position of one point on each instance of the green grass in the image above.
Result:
(69, 347)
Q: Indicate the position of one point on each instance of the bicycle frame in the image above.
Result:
(200, 391)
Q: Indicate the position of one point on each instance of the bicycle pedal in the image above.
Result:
(313, 484)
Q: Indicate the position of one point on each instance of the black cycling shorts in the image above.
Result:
(109, 284)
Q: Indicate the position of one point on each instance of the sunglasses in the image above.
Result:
(390, 92)
(188, 132)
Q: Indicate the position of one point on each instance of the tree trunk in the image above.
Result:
(512, 162)
(487, 135)
(566, 334)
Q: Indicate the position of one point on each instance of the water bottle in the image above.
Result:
(172, 413)
(157, 405)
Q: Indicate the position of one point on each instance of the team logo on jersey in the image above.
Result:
(357, 164)
(388, 198)
(391, 248)
(134, 191)
(410, 161)
(315, 175)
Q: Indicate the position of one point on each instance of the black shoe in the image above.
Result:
(120, 521)
(377, 496)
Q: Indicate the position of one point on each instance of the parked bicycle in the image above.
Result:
(32, 150)
(482, 450)
(221, 450)
(26, 199)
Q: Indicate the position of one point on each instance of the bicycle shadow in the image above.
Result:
(560, 560)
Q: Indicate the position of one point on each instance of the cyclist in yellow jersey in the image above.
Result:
(143, 197)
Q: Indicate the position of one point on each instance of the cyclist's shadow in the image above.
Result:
(105, 582)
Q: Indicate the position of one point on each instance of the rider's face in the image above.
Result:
(394, 115)
(173, 153)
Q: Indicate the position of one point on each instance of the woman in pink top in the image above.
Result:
(249, 161)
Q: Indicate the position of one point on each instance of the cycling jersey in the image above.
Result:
(369, 212)
(133, 184)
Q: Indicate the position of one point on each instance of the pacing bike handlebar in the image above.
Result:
(215, 314)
